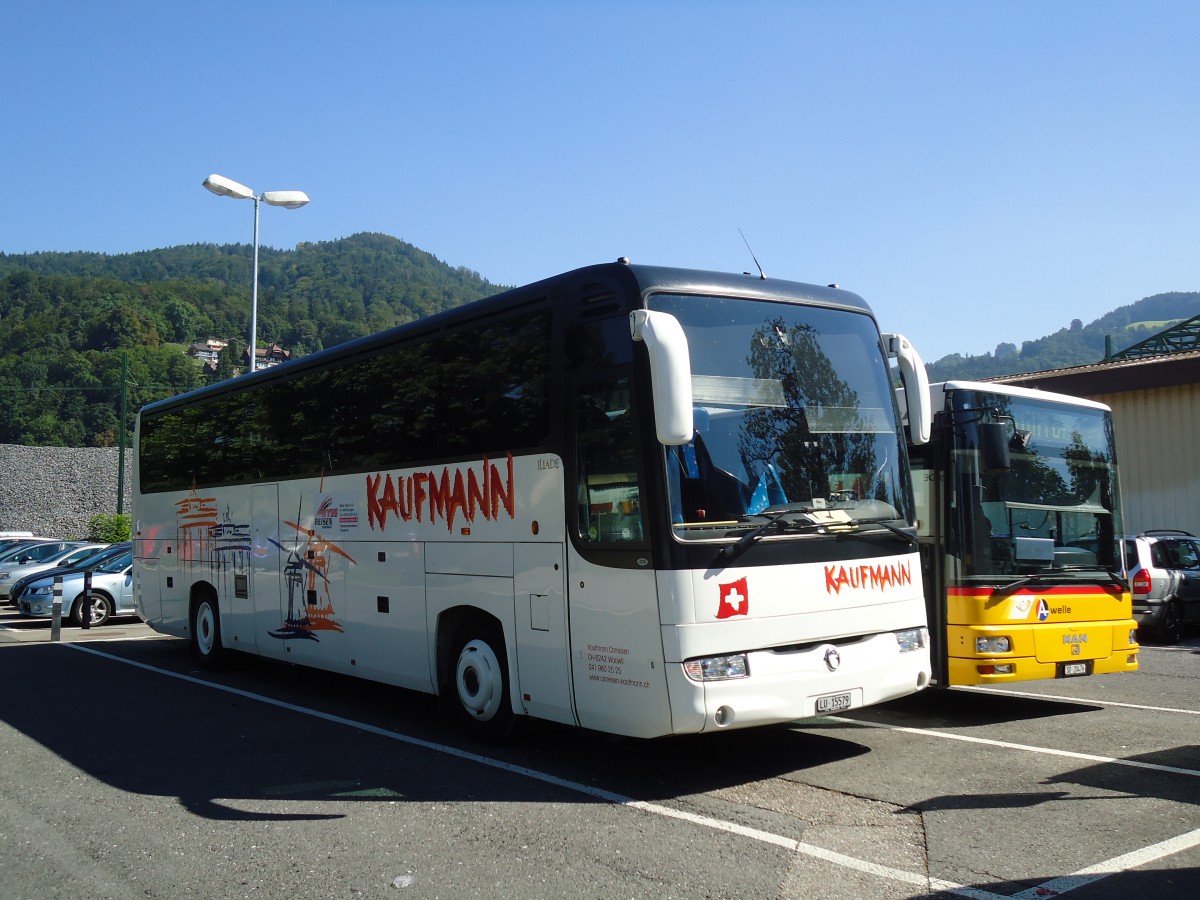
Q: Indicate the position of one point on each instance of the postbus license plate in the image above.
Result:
(834, 703)
(1079, 668)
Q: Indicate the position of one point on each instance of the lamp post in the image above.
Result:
(225, 187)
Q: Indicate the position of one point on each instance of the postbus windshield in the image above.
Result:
(1054, 508)
(793, 414)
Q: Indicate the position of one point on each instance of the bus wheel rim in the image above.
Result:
(204, 628)
(479, 680)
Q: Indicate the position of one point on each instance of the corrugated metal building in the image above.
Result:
(1156, 414)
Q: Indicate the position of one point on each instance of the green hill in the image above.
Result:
(66, 319)
(1074, 346)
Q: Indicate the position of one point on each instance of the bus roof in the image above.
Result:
(1012, 390)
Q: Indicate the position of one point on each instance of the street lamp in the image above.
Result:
(225, 187)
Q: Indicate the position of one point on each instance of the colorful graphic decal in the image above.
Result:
(867, 578)
(1043, 611)
(203, 539)
(310, 607)
(225, 546)
(426, 496)
(734, 599)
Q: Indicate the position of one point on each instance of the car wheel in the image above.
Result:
(1170, 627)
(477, 698)
(206, 633)
(101, 610)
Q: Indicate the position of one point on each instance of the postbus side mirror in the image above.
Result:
(670, 373)
(916, 386)
(993, 446)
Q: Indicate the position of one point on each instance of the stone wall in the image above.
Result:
(54, 491)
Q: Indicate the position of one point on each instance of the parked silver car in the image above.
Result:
(1164, 573)
(13, 570)
(112, 593)
(18, 585)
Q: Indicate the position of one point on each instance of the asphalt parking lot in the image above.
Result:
(139, 774)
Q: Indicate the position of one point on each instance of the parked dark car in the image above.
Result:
(1164, 574)
(71, 554)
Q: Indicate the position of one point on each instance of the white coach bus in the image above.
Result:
(640, 500)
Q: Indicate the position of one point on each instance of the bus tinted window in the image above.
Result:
(467, 393)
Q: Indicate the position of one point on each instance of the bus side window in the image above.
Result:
(608, 490)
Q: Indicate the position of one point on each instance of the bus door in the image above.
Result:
(265, 552)
(543, 669)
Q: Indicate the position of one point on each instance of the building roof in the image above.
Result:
(1114, 376)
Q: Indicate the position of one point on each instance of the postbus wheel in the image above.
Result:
(477, 699)
(102, 608)
(206, 632)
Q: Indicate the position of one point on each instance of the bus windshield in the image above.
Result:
(793, 414)
(1055, 507)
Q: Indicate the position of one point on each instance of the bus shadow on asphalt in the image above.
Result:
(227, 755)
(950, 708)
(1155, 775)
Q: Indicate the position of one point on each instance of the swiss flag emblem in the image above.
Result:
(735, 599)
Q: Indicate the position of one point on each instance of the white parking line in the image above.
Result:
(1050, 888)
(1170, 709)
(841, 859)
(1117, 864)
(1009, 745)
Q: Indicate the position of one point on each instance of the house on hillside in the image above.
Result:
(207, 351)
(266, 357)
(1153, 389)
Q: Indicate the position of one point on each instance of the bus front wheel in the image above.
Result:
(206, 633)
(478, 699)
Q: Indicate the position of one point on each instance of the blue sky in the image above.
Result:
(978, 171)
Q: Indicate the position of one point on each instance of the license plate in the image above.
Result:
(1079, 668)
(834, 703)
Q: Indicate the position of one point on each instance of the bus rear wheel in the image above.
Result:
(478, 700)
(206, 633)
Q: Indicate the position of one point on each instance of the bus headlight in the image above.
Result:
(993, 645)
(912, 639)
(717, 668)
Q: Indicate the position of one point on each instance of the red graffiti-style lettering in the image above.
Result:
(430, 496)
(869, 578)
(500, 496)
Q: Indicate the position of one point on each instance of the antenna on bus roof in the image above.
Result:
(761, 274)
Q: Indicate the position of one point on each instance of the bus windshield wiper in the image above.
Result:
(1057, 576)
(898, 532)
(775, 520)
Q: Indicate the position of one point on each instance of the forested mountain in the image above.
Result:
(66, 320)
(1074, 346)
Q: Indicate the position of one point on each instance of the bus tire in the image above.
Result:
(102, 609)
(206, 632)
(477, 698)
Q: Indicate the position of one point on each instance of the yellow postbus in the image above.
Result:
(1020, 529)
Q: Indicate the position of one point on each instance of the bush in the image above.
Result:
(109, 529)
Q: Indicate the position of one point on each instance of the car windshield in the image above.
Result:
(793, 411)
(13, 553)
(117, 563)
